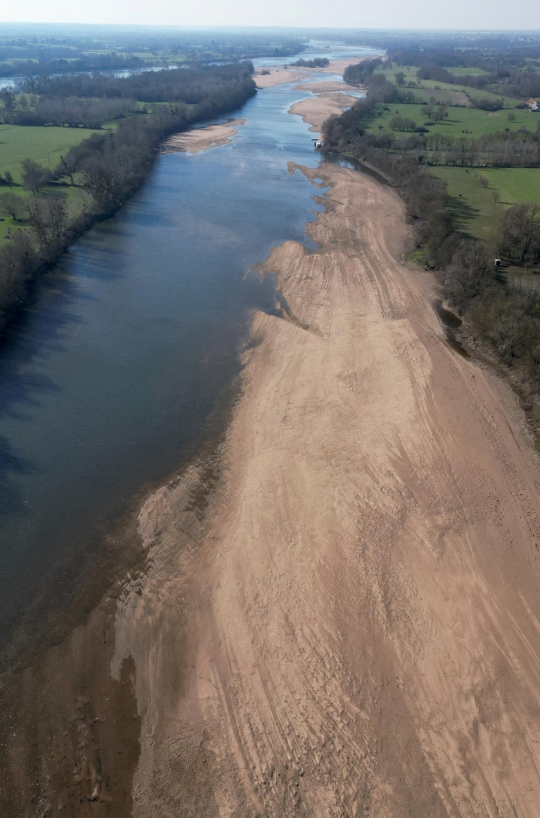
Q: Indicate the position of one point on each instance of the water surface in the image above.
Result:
(123, 350)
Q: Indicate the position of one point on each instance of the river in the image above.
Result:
(123, 350)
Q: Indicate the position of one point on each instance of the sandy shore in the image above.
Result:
(200, 139)
(340, 612)
(351, 626)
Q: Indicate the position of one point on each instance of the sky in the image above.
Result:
(434, 14)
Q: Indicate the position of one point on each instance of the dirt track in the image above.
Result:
(352, 627)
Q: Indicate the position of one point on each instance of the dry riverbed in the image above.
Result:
(339, 615)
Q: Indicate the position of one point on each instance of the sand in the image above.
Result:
(279, 74)
(340, 612)
(350, 624)
(316, 110)
(325, 87)
(200, 139)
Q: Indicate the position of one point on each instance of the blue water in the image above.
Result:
(118, 358)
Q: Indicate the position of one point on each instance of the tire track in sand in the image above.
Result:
(354, 627)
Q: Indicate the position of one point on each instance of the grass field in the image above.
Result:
(473, 93)
(44, 145)
(427, 87)
(424, 95)
(390, 73)
(463, 71)
(473, 208)
(471, 120)
(514, 184)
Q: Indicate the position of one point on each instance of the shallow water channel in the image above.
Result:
(122, 351)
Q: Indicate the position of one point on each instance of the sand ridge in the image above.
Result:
(200, 139)
(317, 109)
(352, 626)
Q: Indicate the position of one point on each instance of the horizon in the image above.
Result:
(423, 15)
(253, 27)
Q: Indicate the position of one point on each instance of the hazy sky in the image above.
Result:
(481, 14)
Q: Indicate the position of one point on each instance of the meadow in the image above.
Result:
(514, 184)
(474, 208)
(44, 145)
(470, 121)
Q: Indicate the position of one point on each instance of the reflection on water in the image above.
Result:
(120, 354)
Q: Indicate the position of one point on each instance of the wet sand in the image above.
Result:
(339, 613)
(200, 139)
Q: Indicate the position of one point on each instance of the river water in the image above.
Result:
(123, 350)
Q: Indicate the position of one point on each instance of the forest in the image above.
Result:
(56, 49)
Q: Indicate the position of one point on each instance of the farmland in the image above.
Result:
(44, 145)
(514, 184)
(474, 208)
(471, 121)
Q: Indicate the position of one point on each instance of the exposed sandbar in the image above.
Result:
(352, 625)
(200, 139)
(316, 110)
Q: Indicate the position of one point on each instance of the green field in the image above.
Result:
(426, 88)
(514, 184)
(473, 208)
(471, 120)
(464, 71)
(390, 73)
(473, 93)
(44, 145)
(425, 95)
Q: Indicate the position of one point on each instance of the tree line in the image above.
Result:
(190, 86)
(72, 112)
(317, 62)
(506, 315)
(110, 166)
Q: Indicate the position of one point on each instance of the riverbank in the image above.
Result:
(366, 563)
(339, 608)
(368, 558)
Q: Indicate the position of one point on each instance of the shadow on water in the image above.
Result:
(123, 352)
